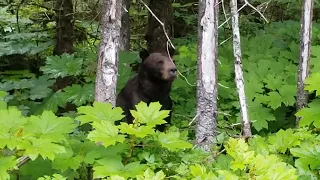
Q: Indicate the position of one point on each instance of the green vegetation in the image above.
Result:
(63, 131)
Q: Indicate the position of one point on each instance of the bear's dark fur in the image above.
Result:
(152, 83)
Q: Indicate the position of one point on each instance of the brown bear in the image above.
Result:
(152, 83)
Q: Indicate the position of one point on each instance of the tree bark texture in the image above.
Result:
(107, 68)
(238, 70)
(207, 92)
(64, 27)
(156, 38)
(305, 50)
(125, 26)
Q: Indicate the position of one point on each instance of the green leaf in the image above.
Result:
(79, 95)
(113, 166)
(44, 147)
(12, 125)
(259, 145)
(309, 155)
(313, 83)
(3, 104)
(54, 177)
(270, 167)
(314, 61)
(62, 66)
(6, 164)
(288, 93)
(172, 141)
(116, 177)
(150, 175)
(274, 100)
(310, 114)
(63, 163)
(283, 140)
(197, 170)
(106, 133)
(141, 131)
(223, 174)
(253, 86)
(99, 112)
(49, 126)
(260, 114)
(223, 162)
(52, 102)
(238, 150)
(151, 115)
(273, 81)
(40, 88)
(200, 172)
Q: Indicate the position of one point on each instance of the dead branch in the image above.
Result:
(246, 3)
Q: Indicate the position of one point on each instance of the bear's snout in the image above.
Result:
(173, 71)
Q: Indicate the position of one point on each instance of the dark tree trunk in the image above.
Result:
(156, 38)
(64, 27)
(125, 26)
(64, 36)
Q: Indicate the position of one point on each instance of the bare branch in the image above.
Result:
(245, 4)
(22, 160)
(225, 14)
(250, 5)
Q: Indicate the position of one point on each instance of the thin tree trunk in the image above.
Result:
(238, 70)
(107, 68)
(125, 26)
(305, 48)
(64, 27)
(207, 92)
(156, 38)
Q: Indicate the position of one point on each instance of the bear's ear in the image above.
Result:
(143, 54)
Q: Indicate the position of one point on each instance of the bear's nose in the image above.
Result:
(173, 71)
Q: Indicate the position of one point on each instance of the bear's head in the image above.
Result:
(158, 66)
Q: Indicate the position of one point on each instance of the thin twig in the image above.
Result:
(254, 8)
(225, 40)
(225, 14)
(22, 160)
(245, 4)
(195, 117)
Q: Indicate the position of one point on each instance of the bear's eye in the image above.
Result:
(160, 62)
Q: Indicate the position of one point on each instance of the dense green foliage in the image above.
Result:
(63, 131)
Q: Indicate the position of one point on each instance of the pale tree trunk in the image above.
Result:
(107, 68)
(125, 26)
(238, 70)
(207, 92)
(305, 48)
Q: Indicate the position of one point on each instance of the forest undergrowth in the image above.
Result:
(53, 128)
